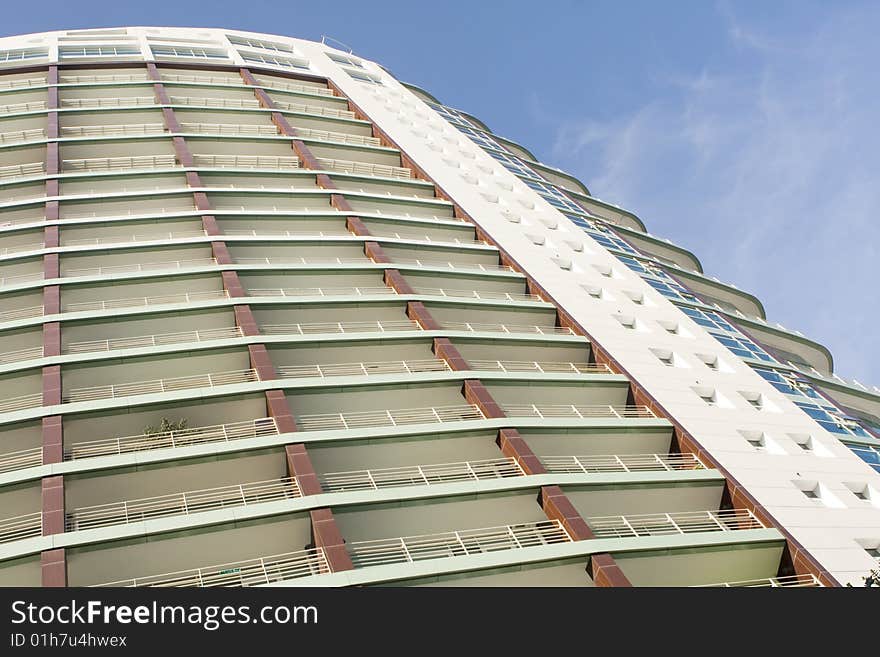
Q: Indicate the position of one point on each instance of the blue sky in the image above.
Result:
(745, 131)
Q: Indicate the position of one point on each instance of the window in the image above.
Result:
(183, 51)
(788, 384)
(812, 493)
(67, 52)
(363, 76)
(451, 115)
(22, 54)
(874, 551)
(257, 43)
(833, 420)
(708, 319)
(742, 347)
(757, 443)
(345, 60)
(274, 60)
(870, 454)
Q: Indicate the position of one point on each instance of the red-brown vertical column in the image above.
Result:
(52, 562)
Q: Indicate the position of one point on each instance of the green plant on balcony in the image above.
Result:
(872, 579)
(165, 426)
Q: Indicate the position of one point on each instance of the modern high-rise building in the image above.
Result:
(270, 316)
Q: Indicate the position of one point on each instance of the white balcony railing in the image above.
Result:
(157, 340)
(622, 463)
(238, 103)
(507, 328)
(18, 136)
(146, 237)
(456, 266)
(264, 232)
(229, 129)
(21, 313)
(326, 260)
(339, 137)
(10, 404)
(104, 78)
(549, 411)
(161, 385)
(539, 367)
(117, 163)
(23, 83)
(168, 265)
(420, 475)
(21, 527)
(409, 549)
(787, 581)
(122, 101)
(21, 354)
(247, 161)
(313, 109)
(297, 88)
(320, 292)
(341, 327)
(17, 108)
(185, 503)
(20, 459)
(23, 170)
(18, 279)
(115, 304)
(362, 369)
(200, 79)
(388, 418)
(664, 524)
(364, 168)
(252, 572)
(220, 433)
(475, 294)
(113, 130)
(20, 248)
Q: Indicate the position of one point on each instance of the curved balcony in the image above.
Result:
(507, 328)
(341, 327)
(23, 83)
(18, 279)
(19, 108)
(21, 313)
(21, 459)
(19, 136)
(364, 168)
(21, 354)
(252, 572)
(389, 418)
(409, 549)
(339, 137)
(220, 433)
(251, 130)
(233, 103)
(116, 304)
(23, 170)
(363, 369)
(21, 527)
(161, 385)
(11, 404)
(455, 266)
(146, 237)
(246, 161)
(297, 88)
(552, 411)
(596, 463)
(119, 163)
(664, 524)
(94, 103)
(117, 130)
(475, 294)
(159, 340)
(168, 265)
(103, 79)
(186, 503)
(20, 248)
(539, 367)
(320, 291)
(314, 110)
(789, 581)
(420, 475)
